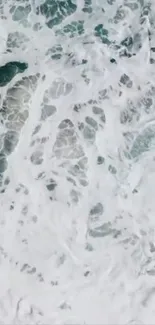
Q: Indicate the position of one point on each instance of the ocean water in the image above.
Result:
(77, 162)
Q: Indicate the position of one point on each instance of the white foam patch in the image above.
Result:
(77, 240)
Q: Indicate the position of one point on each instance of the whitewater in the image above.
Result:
(77, 162)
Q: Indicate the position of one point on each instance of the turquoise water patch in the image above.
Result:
(21, 12)
(55, 52)
(56, 11)
(87, 6)
(74, 29)
(9, 71)
(143, 142)
(102, 33)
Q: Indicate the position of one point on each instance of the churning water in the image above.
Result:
(77, 162)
